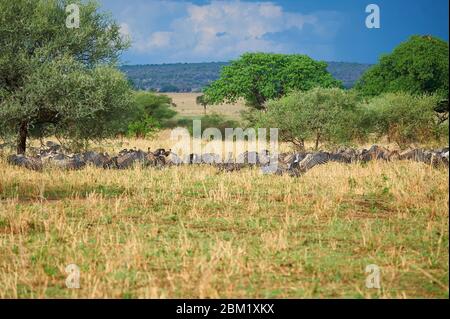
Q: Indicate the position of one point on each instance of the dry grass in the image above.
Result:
(187, 106)
(194, 232)
(163, 140)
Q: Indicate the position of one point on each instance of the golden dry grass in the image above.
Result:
(194, 232)
(186, 106)
(163, 139)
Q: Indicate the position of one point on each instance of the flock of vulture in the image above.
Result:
(53, 155)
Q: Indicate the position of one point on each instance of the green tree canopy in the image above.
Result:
(258, 77)
(405, 118)
(56, 80)
(417, 66)
(320, 114)
(155, 105)
(149, 113)
(201, 100)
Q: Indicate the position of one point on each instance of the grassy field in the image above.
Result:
(186, 106)
(195, 232)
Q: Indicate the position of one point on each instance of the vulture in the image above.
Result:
(96, 159)
(31, 163)
(296, 164)
(211, 159)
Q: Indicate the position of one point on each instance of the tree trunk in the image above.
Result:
(317, 141)
(259, 99)
(22, 138)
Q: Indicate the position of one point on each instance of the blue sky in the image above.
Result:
(165, 31)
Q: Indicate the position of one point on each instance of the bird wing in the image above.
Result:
(312, 160)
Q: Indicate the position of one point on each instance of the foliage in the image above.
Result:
(334, 116)
(442, 110)
(405, 118)
(145, 127)
(149, 113)
(417, 66)
(56, 80)
(258, 77)
(193, 77)
(201, 100)
(154, 105)
(208, 121)
(323, 114)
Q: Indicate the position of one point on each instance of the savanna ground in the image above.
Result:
(186, 106)
(187, 232)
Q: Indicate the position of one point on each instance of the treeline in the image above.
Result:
(403, 98)
(332, 117)
(193, 77)
(179, 77)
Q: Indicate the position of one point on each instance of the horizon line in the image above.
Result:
(217, 62)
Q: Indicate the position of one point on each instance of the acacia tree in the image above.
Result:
(57, 80)
(417, 66)
(201, 100)
(258, 77)
(320, 114)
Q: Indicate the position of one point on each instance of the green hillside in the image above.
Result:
(192, 77)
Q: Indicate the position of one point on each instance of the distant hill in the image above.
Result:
(347, 72)
(192, 77)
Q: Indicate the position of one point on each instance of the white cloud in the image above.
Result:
(220, 30)
(159, 39)
(125, 31)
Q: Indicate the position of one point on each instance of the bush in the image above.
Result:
(219, 122)
(150, 113)
(146, 127)
(154, 105)
(325, 115)
(406, 119)
(208, 121)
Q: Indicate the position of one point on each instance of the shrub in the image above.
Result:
(208, 121)
(150, 112)
(326, 115)
(146, 127)
(154, 105)
(406, 119)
